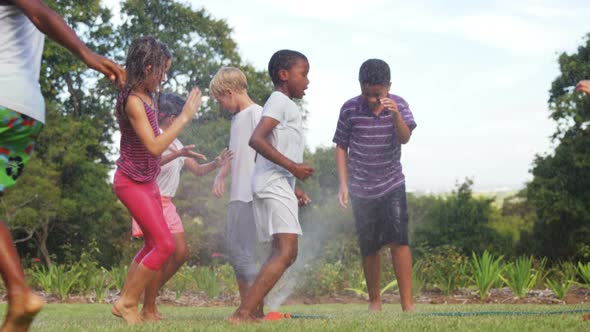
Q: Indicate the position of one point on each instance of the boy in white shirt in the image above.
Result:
(229, 87)
(279, 141)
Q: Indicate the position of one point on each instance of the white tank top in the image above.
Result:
(21, 47)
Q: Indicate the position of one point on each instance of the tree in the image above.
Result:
(560, 189)
(460, 220)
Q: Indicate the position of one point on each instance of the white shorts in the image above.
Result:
(276, 210)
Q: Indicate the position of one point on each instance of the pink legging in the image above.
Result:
(144, 203)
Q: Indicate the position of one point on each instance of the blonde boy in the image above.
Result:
(230, 89)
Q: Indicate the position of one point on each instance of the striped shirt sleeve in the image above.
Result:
(342, 134)
(406, 113)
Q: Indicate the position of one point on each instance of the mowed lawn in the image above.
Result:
(334, 317)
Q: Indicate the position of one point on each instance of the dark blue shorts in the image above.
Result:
(381, 221)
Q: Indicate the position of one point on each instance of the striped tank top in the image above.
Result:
(135, 161)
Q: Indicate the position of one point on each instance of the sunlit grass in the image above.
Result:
(334, 317)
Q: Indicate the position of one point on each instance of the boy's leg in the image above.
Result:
(240, 243)
(149, 311)
(401, 257)
(17, 139)
(283, 254)
(372, 270)
(366, 218)
(23, 303)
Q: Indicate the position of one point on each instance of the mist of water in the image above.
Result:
(315, 233)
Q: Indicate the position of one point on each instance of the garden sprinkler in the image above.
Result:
(275, 315)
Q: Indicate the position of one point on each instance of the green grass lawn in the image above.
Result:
(338, 317)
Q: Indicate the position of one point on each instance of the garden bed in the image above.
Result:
(577, 295)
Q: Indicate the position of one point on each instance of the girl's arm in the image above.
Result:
(157, 144)
(203, 169)
(186, 151)
(259, 142)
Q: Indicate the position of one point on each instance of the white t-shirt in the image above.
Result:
(287, 137)
(243, 124)
(21, 47)
(169, 176)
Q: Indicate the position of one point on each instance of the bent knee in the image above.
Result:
(181, 254)
(289, 256)
(167, 247)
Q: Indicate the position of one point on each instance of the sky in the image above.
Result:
(476, 74)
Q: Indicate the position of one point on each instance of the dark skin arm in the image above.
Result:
(260, 143)
(53, 25)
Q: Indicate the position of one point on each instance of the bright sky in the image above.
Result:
(475, 73)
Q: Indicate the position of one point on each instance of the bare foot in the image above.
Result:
(241, 318)
(21, 312)
(127, 312)
(409, 308)
(375, 306)
(259, 314)
(151, 316)
(116, 312)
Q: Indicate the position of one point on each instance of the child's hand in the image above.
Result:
(218, 187)
(302, 171)
(584, 86)
(192, 104)
(111, 70)
(224, 157)
(343, 197)
(302, 198)
(389, 104)
(186, 151)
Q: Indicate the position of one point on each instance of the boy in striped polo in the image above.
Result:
(370, 131)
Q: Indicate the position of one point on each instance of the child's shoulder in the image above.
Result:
(278, 100)
(352, 103)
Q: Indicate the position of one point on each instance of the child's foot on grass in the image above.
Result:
(409, 308)
(374, 306)
(21, 312)
(127, 312)
(242, 318)
(152, 316)
(115, 312)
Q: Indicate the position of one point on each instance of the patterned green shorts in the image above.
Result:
(18, 134)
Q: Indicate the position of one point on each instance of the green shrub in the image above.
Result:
(485, 272)
(521, 277)
(584, 272)
(442, 267)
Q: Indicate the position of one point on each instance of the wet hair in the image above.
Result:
(143, 52)
(170, 105)
(227, 78)
(375, 71)
(283, 59)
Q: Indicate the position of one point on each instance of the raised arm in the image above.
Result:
(53, 25)
(157, 144)
(584, 86)
(402, 129)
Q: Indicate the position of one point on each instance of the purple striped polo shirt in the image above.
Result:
(374, 151)
(135, 160)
